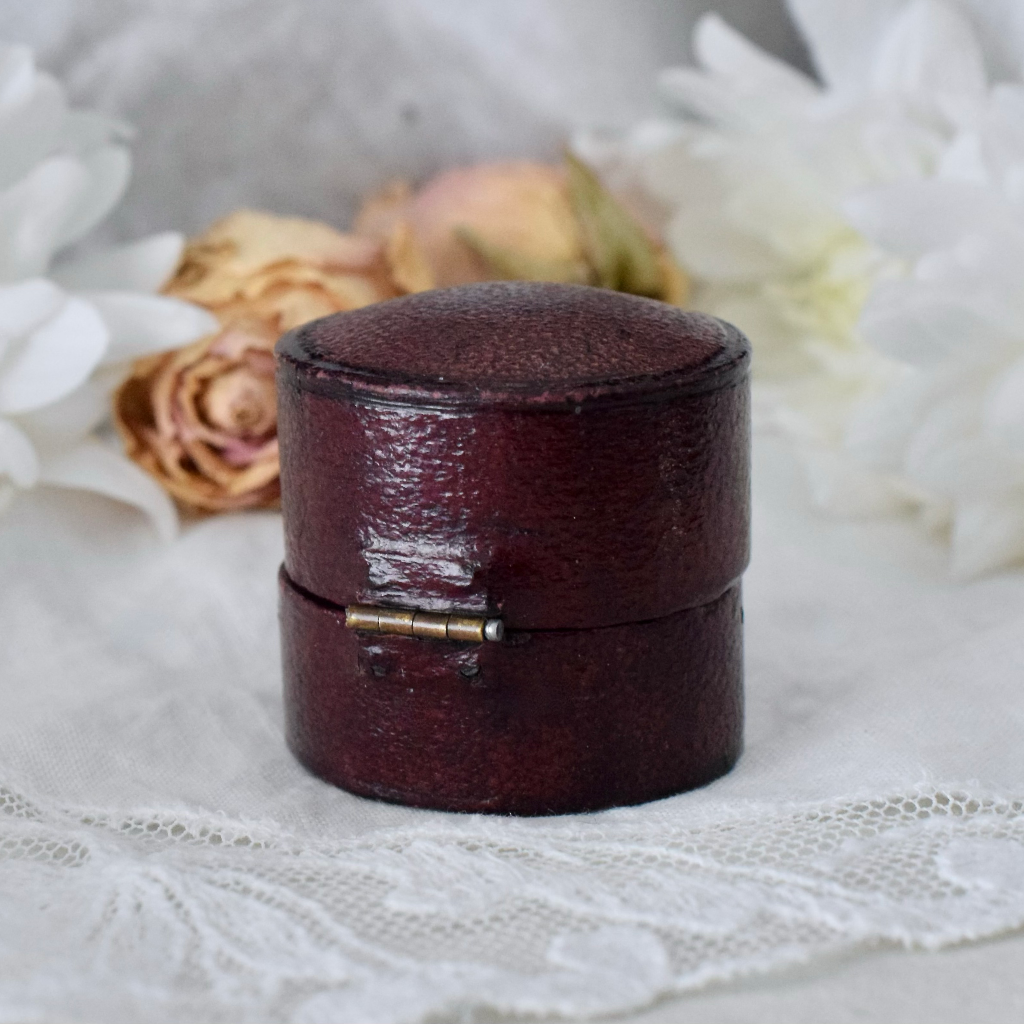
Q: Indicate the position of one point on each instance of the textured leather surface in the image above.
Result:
(572, 460)
(619, 512)
(514, 343)
(542, 723)
(549, 520)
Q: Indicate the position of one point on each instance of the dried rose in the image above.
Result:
(522, 207)
(285, 271)
(527, 221)
(203, 419)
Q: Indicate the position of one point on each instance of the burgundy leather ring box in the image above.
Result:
(516, 516)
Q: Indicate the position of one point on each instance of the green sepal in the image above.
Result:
(617, 249)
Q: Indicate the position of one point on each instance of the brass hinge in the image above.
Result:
(427, 625)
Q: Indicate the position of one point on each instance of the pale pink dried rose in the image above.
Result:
(526, 221)
(203, 420)
(521, 206)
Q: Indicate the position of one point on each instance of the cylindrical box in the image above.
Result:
(516, 517)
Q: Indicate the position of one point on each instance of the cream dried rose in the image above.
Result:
(526, 221)
(288, 270)
(203, 420)
(285, 271)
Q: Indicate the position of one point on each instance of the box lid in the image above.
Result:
(515, 345)
(561, 456)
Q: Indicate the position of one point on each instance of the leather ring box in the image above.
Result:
(562, 467)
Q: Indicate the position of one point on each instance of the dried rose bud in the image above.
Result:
(526, 221)
(203, 420)
(521, 207)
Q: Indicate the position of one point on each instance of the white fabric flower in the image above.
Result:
(67, 329)
(952, 424)
(792, 203)
(757, 179)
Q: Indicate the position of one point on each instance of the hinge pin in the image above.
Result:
(426, 625)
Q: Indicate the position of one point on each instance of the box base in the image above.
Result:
(545, 722)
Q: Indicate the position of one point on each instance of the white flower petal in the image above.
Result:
(17, 75)
(1003, 129)
(705, 97)
(30, 129)
(742, 88)
(18, 459)
(910, 218)
(109, 169)
(800, 230)
(987, 535)
(777, 349)
(1003, 411)
(92, 466)
(33, 214)
(963, 467)
(713, 247)
(844, 36)
(24, 306)
(54, 359)
(896, 147)
(983, 271)
(931, 53)
(964, 161)
(85, 130)
(839, 485)
(1013, 183)
(949, 455)
(922, 325)
(144, 266)
(744, 214)
(142, 324)
(879, 429)
(678, 173)
(75, 415)
(755, 72)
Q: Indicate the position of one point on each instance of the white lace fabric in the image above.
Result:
(162, 857)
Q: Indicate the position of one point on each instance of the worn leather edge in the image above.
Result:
(353, 384)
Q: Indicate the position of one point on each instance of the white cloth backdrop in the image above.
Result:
(303, 106)
(165, 859)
